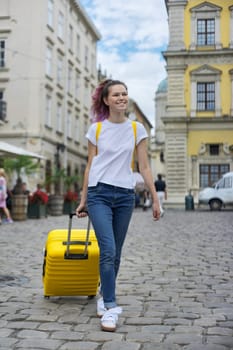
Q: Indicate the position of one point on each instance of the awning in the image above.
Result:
(7, 149)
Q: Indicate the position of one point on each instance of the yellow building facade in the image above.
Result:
(198, 118)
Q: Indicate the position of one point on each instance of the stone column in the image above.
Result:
(218, 109)
(176, 23)
(231, 111)
(231, 27)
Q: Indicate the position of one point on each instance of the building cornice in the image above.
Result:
(198, 120)
(185, 53)
(86, 18)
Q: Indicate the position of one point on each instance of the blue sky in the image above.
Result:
(134, 34)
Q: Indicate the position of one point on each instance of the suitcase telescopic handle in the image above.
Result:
(69, 242)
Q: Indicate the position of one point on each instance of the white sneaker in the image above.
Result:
(100, 307)
(161, 212)
(110, 318)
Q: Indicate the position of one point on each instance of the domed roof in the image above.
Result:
(162, 86)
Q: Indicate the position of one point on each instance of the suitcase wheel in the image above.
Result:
(91, 296)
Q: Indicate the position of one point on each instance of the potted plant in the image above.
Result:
(37, 206)
(56, 199)
(70, 197)
(19, 199)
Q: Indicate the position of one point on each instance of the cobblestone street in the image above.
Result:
(175, 286)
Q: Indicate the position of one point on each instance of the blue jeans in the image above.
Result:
(110, 209)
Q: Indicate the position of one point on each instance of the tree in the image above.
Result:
(19, 164)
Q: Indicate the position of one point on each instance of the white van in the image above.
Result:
(221, 194)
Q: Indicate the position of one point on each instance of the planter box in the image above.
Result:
(37, 210)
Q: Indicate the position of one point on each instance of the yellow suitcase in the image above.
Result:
(71, 262)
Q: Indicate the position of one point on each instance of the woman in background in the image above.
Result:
(3, 197)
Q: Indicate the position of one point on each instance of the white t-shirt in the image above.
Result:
(116, 143)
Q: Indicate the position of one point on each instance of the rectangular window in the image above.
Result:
(69, 124)
(50, 13)
(48, 111)
(2, 53)
(77, 85)
(205, 32)
(70, 37)
(49, 55)
(59, 69)
(69, 79)
(211, 173)
(86, 57)
(93, 64)
(205, 96)
(77, 131)
(86, 95)
(78, 46)
(85, 128)
(214, 150)
(61, 25)
(2, 106)
(59, 117)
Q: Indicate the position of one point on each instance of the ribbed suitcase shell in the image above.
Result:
(76, 275)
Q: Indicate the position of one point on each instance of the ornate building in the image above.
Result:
(198, 116)
(47, 73)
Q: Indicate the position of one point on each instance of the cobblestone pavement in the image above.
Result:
(175, 286)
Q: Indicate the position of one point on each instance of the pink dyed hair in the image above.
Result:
(99, 110)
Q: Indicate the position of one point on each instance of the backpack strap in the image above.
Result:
(98, 129)
(97, 133)
(134, 126)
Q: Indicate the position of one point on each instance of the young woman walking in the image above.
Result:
(108, 187)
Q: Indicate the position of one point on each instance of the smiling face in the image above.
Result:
(117, 99)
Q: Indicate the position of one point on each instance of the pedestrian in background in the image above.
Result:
(146, 200)
(24, 189)
(3, 197)
(108, 188)
(161, 189)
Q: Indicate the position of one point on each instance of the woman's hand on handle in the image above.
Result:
(81, 211)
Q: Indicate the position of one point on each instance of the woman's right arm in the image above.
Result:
(92, 151)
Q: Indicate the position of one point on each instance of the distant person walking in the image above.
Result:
(3, 196)
(160, 186)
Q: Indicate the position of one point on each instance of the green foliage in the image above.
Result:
(56, 176)
(19, 164)
(59, 176)
(70, 180)
(55, 179)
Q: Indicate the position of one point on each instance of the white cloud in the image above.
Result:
(133, 37)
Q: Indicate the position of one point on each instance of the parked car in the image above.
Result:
(220, 195)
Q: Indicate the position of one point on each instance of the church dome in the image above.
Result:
(162, 86)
